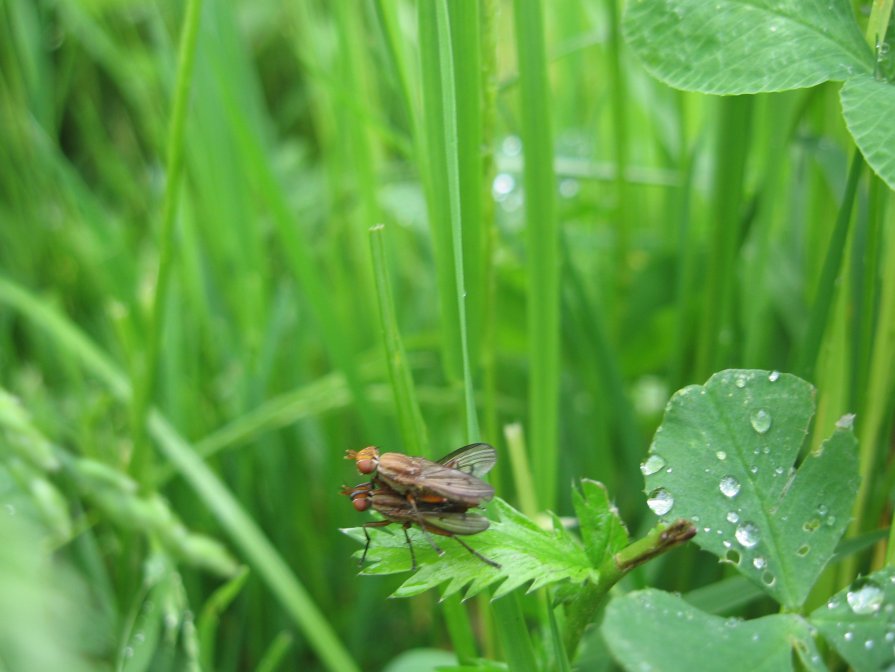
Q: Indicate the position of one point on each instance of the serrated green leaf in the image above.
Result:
(859, 622)
(747, 46)
(602, 531)
(526, 553)
(866, 105)
(723, 458)
(653, 630)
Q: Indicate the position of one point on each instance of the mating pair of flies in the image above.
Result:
(435, 496)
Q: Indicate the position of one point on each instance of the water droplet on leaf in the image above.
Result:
(652, 464)
(748, 535)
(866, 599)
(729, 486)
(660, 501)
(761, 421)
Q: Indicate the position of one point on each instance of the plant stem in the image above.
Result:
(145, 372)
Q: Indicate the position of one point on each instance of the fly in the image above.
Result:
(455, 478)
(443, 517)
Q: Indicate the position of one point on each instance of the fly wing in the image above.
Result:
(424, 478)
(448, 523)
(454, 485)
(476, 459)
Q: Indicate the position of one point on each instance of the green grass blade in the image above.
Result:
(144, 381)
(244, 532)
(543, 246)
(726, 232)
(832, 265)
(410, 419)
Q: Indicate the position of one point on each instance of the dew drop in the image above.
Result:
(774, 376)
(660, 501)
(761, 421)
(729, 486)
(503, 185)
(865, 600)
(759, 562)
(740, 382)
(512, 145)
(868, 644)
(721, 455)
(748, 535)
(652, 464)
(569, 188)
(733, 517)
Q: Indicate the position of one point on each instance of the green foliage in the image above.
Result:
(864, 99)
(743, 46)
(724, 457)
(526, 552)
(653, 629)
(189, 333)
(737, 46)
(859, 621)
(650, 629)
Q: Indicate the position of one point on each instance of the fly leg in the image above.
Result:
(422, 524)
(410, 546)
(476, 553)
(375, 523)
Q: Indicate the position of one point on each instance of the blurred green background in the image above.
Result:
(619, 241)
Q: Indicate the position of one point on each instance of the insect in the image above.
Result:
(444, 518)
(455, 478)
(433, 495)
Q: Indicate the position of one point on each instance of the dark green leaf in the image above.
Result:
(723, 458)
(747, 46)
(602, 531)
(859, 622)
(654, 630)
(866, 105)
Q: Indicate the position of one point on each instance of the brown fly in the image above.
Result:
(442, 517)
(455, 478)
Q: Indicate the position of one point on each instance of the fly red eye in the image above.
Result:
(366, 466)
(361, 504)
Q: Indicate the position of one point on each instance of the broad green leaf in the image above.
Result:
(724, 458)
(526, 553)
(747, 46)
(867, 105)
(602, 530)
(859, 622)
(422, 660)
(653, 630)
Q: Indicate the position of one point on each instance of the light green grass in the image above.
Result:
(256, 328)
